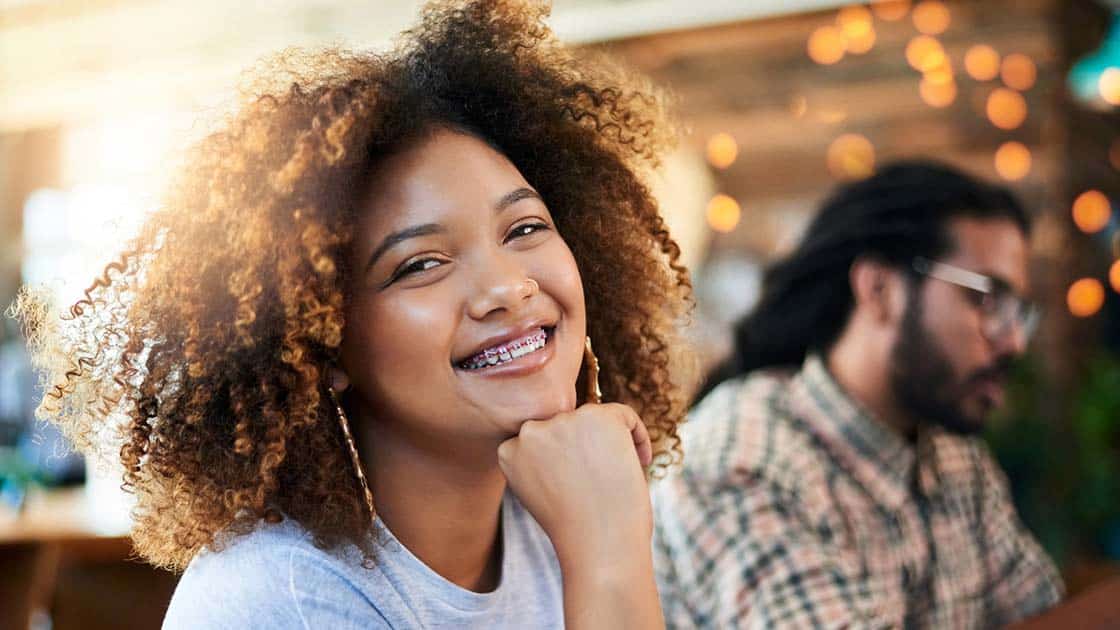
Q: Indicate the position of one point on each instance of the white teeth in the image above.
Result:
(507, 352)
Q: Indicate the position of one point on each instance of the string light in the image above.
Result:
(890, 10)
(1007, 109)
(827, 45)
(925, 53)
(862, 43)
(1085, 297)
(1018, 72)
(981, 62)
(723, 213)
(722, 150)
(931, 17)
(937, 93)
(1091, 211)
(851, 156)
(1013, 161)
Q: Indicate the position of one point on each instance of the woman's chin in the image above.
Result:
(511, 416)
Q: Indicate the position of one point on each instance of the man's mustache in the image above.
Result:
(1000, 370)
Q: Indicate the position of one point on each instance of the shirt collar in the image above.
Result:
(882, 460)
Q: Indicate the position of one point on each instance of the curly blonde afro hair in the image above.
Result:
(198, 357)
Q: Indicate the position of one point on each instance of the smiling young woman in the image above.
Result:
(344, 363)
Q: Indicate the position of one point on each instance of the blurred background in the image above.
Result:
(781, 100)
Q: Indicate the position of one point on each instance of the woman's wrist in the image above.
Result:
(606, 562)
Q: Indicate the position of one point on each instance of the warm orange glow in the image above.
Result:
(862, 43)
(931, 17)
(854, 20)
(1085, 297)
(1007, 109)
(925, 53)
(827, 45)
(798, 105)
(1110, 86)
(831, 116)
(940, 75)
(722, 150)
(1114, 276)
(937, 94)
(1114, 154)
(1013, 161)
(851, 156)
(981, 62)
(1091, 211)
(723, 213)
(890, 10)
(1018, 72)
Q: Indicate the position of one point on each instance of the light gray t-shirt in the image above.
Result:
(276, 577)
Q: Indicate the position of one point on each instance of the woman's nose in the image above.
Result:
(500, 285)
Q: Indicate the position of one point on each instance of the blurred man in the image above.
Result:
(834, 477)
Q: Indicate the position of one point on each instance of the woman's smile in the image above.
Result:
(504, 351)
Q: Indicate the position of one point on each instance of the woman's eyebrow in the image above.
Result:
(514, 196)
(424, 229)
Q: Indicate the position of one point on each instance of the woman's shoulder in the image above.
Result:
(272, 577)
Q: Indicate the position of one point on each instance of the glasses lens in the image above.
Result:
(1011, 310)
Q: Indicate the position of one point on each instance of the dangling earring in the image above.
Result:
(591, 365)
(354, 459)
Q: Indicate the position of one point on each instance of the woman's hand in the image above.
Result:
(581, 475)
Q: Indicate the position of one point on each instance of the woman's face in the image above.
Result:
(466, 314)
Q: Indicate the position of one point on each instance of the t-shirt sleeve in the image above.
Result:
(252, 586)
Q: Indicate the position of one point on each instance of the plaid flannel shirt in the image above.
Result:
(794, 508)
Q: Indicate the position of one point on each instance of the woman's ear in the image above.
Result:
(337, 379)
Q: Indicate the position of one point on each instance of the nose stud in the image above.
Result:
(529, 288)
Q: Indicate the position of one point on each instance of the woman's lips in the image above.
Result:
(533, 355)
(508, 351)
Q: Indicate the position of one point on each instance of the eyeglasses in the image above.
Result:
(999, 306)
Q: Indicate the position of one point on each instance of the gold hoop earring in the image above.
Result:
(591, 365)
(344, 422)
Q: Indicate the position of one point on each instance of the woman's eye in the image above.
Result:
(525, 229)
(416, 266)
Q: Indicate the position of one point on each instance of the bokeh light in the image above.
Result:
(1114, 276)
(937, 93)
(862, 43)
(1007, 109)
(1085, 297)
(890, 10)
(931, 17)
(925, 53)
(1018, 72)
(1109, 85)
(723, 213)
(1013, 161)
(827, 45)
(851, 156)
(722, 150)
(854, 20)
(941, 74)
(1091, 211)
(981, 62)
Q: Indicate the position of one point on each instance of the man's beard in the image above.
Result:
(922, 380)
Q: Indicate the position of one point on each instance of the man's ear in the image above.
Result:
(877, 289)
